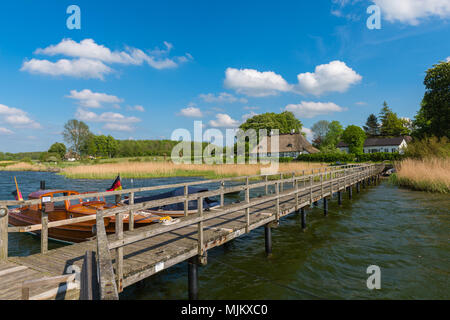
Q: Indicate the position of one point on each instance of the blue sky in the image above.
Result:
(141, 69)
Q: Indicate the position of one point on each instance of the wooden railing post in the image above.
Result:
(266, 179)
(321, 185)
(131, 213)
(311, 189)
(200, 227)
(281, 182)
(296, 194)
(44, 230)
(107, 283)
(277, 190)
(293, 179)
(119, 252)
(186, 201)
(3, 233)
(247, 210)
(222, 195)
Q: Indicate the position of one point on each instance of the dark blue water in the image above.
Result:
(404, 232)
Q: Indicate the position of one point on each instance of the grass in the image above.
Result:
(431, 174)
(137, 169)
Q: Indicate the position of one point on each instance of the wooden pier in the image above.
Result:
(101, 268)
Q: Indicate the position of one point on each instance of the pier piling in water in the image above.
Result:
(193, 278)
(303, 217)
(350, 192)
(268, 238)
(325, 206)
(42, 186)
(339, 197)
(358, 189)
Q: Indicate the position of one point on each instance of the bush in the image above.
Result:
(431, 147)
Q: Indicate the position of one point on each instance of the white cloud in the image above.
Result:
(255, 83)
(448, 59)
(223, 121)
(248, 116)
(117, 127)
(5, 131)
(335, 76)
(223, 97)
(89, 59)
(78, 68)
(413, 11)
(136, 108)
(87, 98)
(109, 117)
(308, 109)
(309, 134)
(332, 77)
(361, 103)
(17, 117)
(250, 108)
(191, 112)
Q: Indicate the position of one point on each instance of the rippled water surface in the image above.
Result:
(405, 233)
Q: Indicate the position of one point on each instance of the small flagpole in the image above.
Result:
(19, 195)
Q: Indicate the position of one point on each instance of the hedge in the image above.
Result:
(349, 157)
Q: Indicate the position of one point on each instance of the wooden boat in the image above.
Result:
(83, 206)
(177, 209)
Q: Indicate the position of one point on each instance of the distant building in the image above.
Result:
(372, 145)
(290, 145)
(71, 156)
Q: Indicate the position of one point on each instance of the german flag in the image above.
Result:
(17, 194)
(117, 185)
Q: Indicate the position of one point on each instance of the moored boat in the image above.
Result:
(80, 207)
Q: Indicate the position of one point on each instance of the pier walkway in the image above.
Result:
(101, 268)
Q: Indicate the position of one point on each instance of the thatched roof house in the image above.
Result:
(289, 145)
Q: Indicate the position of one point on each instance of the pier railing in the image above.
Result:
(323, 182)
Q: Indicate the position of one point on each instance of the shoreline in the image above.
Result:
(149, 170)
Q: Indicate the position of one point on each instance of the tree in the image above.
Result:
(284, 122)
(391, 124)
(372, 127)
(58, 148)
(333, 136)
(320, 130)
(75, 134)
(354, 136)
(433, 118)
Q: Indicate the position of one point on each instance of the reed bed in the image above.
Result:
(169, 169)
(24, 166)
(432, 174)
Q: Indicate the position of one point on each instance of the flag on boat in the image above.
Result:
(117, 184)
(17, 194)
